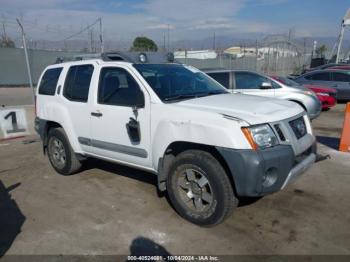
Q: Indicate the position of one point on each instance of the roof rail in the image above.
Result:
(132, 57)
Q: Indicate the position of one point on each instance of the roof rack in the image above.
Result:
(132, 57)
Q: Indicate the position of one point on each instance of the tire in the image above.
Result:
(199, 188)
(61, 154)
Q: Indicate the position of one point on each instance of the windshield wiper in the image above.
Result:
(213, 93)
(179, 97)
(188, 96)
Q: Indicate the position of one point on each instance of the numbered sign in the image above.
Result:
(13, 122)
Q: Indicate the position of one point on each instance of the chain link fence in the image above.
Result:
(279, 58)
(13, 71)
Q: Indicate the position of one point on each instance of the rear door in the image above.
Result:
(252, 84)
(341, 82)
(75, 97)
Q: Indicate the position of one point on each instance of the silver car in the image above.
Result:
(252, 83)
(337, 79)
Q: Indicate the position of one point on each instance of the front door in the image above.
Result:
(120, 119)
(253, 84)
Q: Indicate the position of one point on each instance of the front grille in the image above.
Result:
(279, 132)
(298, 126)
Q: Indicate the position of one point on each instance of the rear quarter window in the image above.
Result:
(222, 78)
(49, 81)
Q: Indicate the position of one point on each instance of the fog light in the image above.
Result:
(270, 177)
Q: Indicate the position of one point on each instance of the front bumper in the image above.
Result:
(262, 172)
(314, 108)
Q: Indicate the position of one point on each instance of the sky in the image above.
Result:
(186, 19)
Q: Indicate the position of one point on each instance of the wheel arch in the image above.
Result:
(177, 147)
(47, 125)
(299, 103)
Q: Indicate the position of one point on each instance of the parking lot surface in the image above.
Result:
(111, 209)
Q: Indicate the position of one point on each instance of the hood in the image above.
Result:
(252, 109)
(321, 89)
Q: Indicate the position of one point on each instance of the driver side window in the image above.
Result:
(247, 80)
(117, 87)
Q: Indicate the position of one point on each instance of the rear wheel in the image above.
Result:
(200, 189)
(61, 154)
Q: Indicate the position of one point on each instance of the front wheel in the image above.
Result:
(199, 188)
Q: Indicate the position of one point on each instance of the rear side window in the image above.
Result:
(341, 77)
(77, 84)
(324, 76)
(49, 81)
(222, 78)
(117, 87)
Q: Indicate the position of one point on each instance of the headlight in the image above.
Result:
(322, 94)
(310, 93)
(260, 136)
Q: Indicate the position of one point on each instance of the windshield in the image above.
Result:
(287, 81)
(173, 82)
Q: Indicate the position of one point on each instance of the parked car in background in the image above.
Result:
(252, 83)
(341, 67)
(337, 79)
(321, 67)
(327, 96)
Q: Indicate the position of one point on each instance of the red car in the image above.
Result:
(327, 96)
(341, 67)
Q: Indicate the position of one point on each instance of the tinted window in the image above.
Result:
(49, 81)
(323, 76)
(77, 84)
(118, 87)
(246, 80)
(341, 77)
(222, 78)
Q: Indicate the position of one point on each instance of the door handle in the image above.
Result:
(97, 114)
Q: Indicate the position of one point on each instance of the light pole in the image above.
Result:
(345, 22)
(27, 60)
(101, 36)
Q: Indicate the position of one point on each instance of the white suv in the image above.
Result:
(207, 146)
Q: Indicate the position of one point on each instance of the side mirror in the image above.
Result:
(266, 85)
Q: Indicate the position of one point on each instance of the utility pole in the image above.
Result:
(27, 59)
(164, 41)
(214, 42)
(168, 37)
(4, 30)
(92, 41)
(101, 36)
